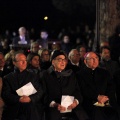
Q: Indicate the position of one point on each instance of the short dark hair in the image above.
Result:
(104, 47)
(56, 53)
(30, 56)
(80, 46)
(44, 51)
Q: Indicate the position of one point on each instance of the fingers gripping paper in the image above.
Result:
(27, 90)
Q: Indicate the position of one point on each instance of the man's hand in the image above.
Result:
(73, 105)
(61, 108)
(24, 99)
(102, 98)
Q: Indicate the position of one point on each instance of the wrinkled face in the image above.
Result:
(45, 56)
(66, 39)
(75, 57)
(2, 61)
(105, 54)
(59, 63)
(91, 60)
(20, 61)
(82, 52)
(44, 35)
(35, 62)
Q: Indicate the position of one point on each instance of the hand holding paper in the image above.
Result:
(73, 105)
(67, 101)
(26, 90)
(24, 99)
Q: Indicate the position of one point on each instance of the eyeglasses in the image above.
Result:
(61, 60)
(95, 58)
(21, 61)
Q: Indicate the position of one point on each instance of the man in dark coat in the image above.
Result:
(106, 62)
(22, 107)
(59, 82)
(74, 60)
(116, 79)
(96, 87)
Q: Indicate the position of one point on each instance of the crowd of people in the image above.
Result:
(44, 79)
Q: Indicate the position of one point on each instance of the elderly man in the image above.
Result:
(74, 60)
(22, 39)
(59, 82)
(97, 90)
(21, 106)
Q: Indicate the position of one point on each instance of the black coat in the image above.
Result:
(110, 65)
(93, 83)
(116, 79)
(17, 39)
(58, 84)
(11, 83)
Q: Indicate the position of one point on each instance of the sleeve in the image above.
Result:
(39, 94)
(77, 92)
(43, 82)
(7, 94)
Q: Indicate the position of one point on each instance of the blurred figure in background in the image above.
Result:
(106, 62)
(66, 44)
(43, 41)
(45, 59)
(74, 59)
(33, 63)
(35, 46)
(22, 38)
(82, 51)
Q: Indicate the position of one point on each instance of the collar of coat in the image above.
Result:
(62, 73)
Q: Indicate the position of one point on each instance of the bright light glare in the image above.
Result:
(46, 18)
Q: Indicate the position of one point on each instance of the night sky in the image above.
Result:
(16, 13)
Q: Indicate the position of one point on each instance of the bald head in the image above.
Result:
(91, 60)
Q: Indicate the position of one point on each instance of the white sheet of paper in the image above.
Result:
(66, 101)
(27, 90)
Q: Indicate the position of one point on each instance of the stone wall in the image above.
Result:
(109, 17)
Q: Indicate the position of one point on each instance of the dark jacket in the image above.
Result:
(16, 40)
(110, 65)
(58, 84)
(11, 83)
(93, 83)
